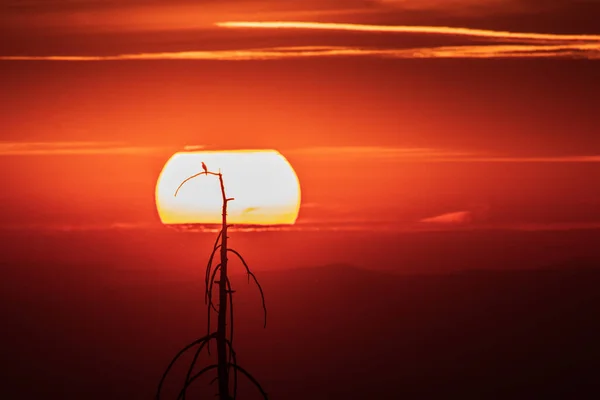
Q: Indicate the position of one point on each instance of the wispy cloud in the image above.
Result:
(72, 148)
(501, 44)
(453, 218)
(436, 30)
(584, 50)
(194, 147)
(498, 44)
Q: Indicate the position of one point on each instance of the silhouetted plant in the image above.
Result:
(226, 356)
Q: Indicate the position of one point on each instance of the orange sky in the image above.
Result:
(427, 136)
(83, 142)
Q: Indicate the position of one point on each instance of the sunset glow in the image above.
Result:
(263, 183)
(279, 180)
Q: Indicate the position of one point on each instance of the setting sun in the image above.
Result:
(263, 183)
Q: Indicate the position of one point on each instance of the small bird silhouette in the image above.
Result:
(204, 168)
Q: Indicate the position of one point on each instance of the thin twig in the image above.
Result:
(192, 177)
(185, 180)
(262, 295)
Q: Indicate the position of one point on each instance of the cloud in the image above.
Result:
(585, 51)
(453, 218)
(496, 44)
(72, 148)
(437, 30)
(194, 147)
(477, 214)
(501, 44)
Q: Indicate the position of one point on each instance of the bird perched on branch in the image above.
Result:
(204, 168)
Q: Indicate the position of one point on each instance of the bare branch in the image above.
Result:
(212, 281)
(174, 360)
(195, 176)
(208, 268)
(210, 302)
(187, 179)
(193, 364)
(262, 295)
(210, 288)
(233, 358)
(252, 379)
(198, 375)
(218, 238)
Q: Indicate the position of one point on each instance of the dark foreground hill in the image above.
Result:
(333, 332)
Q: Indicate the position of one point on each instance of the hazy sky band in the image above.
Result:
(512, 94)
(399, 154)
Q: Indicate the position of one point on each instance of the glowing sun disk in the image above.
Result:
(263, 183)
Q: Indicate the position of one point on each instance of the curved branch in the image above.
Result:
(218, 238)
(216, 245)
(210, 302)
(187, 179)
(181, 352)
(193, 364)
(232, 355)
(195, 176)
(252, 379)
(262, 295)
(198, 375)
(210, 288)
(207, 273)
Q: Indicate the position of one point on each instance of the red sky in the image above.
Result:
(465, 116)
(492, 133)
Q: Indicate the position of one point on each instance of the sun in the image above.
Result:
(264, 184)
